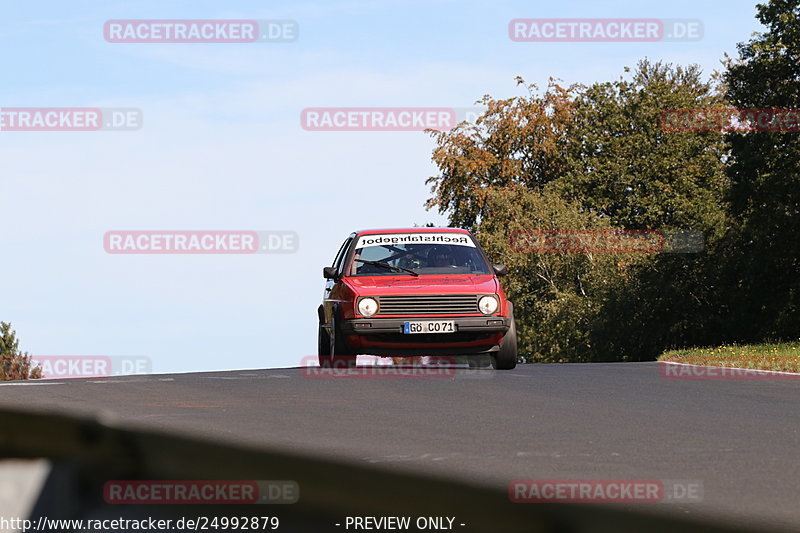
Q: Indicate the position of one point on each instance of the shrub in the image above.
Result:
(13, 363)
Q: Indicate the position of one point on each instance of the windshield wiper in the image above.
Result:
(387, 266)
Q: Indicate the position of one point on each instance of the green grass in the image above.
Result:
(783, 356)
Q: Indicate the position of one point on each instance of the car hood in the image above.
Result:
(436, 284)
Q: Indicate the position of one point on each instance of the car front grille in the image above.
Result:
(429, 305)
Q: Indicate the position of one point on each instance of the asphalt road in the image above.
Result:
(739, 438)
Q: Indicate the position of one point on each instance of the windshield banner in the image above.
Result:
(458, 239)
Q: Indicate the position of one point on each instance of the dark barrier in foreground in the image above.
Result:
(96, 466)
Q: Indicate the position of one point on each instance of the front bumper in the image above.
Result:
(472, 324)
(384, 336)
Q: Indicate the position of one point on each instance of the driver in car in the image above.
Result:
(440, 256)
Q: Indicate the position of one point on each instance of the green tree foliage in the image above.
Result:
(13, 363)
(763, 253)
(591, 158)
(625, 166)
(556, 296)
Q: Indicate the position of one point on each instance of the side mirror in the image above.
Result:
(499, 270)
(329, 272)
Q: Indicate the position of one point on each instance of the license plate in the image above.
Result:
(433, 326)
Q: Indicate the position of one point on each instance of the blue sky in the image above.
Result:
(222, 148)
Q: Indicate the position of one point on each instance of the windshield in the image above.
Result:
(425, 254)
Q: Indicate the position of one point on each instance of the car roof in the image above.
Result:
(410, 230)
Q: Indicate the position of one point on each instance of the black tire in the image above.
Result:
(323, 348)
(506, 357)
(341, 356)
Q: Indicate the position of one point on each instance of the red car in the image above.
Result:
(414, 291)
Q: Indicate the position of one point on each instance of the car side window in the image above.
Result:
(341, 255)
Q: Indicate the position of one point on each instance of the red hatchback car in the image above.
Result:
(414, 291)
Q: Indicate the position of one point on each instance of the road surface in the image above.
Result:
(739, 438)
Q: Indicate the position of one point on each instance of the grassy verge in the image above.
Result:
(784, 357)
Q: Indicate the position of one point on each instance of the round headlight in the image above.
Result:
(487, 305)
(367, 307)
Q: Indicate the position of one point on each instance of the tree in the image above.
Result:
(13, 363)
(627, 167)
(763, 253)
(519, 140)
(557, 295)
(639, 175)
(592, 158)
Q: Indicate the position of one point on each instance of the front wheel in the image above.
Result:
(340, 354)
(506, 357)
(323, 348)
